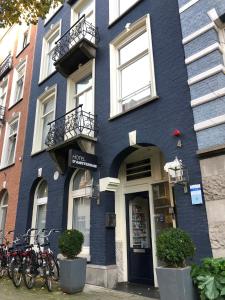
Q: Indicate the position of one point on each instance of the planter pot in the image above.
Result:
(175, 284)
(72, 275)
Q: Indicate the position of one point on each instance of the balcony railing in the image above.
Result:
(5, 66)
(71, 125)
(2, 114)
(82, 29)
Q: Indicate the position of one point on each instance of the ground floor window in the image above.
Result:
(3, 213)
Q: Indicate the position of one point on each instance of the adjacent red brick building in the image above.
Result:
(17, 46)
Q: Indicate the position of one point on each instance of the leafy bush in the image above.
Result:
(70, 243)
(174, 246)
(209, 277)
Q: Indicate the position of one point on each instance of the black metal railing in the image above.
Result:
(5, 66)
(2, 114)
(82, 29)
(72, 124)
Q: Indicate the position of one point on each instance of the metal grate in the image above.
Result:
(138, 170)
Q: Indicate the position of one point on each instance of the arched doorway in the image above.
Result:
(79, 206)
(40, 205)
(143, 206)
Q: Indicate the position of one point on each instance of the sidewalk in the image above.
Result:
(9, 292)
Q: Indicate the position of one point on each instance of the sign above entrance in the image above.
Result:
(82, 160)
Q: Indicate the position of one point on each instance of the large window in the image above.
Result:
(118, 7)
(45, 113)
(132, 70)
(40, 206)
(48, 47)
(79, 206)
(3, 91)
(18, 83)
(9, 147)
(84, 8)
(3, 213)
(24, 37)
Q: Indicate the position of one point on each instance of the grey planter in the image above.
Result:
(175, 284)
(72, 275)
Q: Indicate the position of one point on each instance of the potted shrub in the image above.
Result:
(209, 277)
(174, 246)
(72, 268)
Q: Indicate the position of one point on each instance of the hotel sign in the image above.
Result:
(82, 160)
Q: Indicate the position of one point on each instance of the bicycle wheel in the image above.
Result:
(47, 276)
(28, 274)
(9, 267)
(16, 274)
(54, 267)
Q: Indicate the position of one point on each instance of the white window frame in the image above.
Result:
(77, 7)
(82, 72)
(3, 206)
(37, 201)
(22, 30)
(4, 163)
(45, 45)
(38, 127)
(124, 38)
(114, 9)
(221, 32)
(52, 12)
(3, 81)
(87, 191)
(16, 77)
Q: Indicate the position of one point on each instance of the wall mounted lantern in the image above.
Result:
(178, 173)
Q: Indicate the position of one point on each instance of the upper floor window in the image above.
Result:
(3, 91)
(48, 47)
(18, 83)
(118, 7)
(24, 38)
(84, 8)
(52, 11)
(45, 113)
(9, 146)
(132, 69)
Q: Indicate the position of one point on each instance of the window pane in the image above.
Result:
(42, 190)
(48, 106)
(87, 10)
(3, 213)
(134, 48)
(4, 199)
(82, 179)
(19, 89)
(48, 118)
(41, 216)
(124, 5)
(135, 78)
(81, 217)
(11, 149)
(83, 84)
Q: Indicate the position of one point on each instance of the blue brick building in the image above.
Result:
(204, 45)
(116, 92)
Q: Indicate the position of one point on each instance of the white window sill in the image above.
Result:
(42, 80)
(14, 104)
(7, 166)
(133, 108)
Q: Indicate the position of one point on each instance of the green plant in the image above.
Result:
(174, 246)
(209, 277)
(70, 243)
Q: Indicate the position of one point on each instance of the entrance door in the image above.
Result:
(140, 264)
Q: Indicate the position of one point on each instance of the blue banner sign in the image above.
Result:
(196, 194)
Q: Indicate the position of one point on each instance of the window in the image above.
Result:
(40, 206)
(132, 70)
(48, 47)
(24, 37)
(3, 91)
(9, 147)
(3, 213)
(52, 12)
(18, 83)
(84, 8)
(118, 7)
(80, 205)
(45, 113)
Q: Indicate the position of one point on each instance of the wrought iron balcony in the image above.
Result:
(75, 123)
(77, 46)
(5, 66)
(2, 114)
